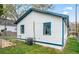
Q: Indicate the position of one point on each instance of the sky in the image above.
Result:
(68, 9)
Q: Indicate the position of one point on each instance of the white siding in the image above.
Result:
(9, 28)
(56, 27)
(39, 19)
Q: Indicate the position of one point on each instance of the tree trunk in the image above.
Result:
(5, 29)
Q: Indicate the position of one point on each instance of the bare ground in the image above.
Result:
(5, 43)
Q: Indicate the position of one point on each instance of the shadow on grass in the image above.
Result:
(22, 48)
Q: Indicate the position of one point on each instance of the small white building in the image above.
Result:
(10, 26)
(47, 28)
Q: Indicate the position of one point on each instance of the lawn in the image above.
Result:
(22, 48)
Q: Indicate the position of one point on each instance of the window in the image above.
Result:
(22, 29)
(47, 28)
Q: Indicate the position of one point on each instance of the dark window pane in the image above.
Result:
(47, 28)
(22, 29)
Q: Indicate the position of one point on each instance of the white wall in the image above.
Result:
(65, 33)
(39, 19)
(9, 28)
(56, 29)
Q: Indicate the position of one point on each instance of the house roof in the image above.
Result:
(44, 12)
(8, 22)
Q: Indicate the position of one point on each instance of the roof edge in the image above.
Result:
(40, 11)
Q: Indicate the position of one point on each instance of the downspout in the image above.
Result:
(34, 31)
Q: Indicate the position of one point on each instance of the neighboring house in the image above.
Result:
(73, 28)
(10, 26)
(47, 28)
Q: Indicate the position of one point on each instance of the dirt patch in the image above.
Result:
(6, 43)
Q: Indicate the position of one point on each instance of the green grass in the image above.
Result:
(72, 46)
(22, 48)
(7, 37)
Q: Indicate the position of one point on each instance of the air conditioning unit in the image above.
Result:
(29, 41)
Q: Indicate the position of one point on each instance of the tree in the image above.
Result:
(8, 12)
(14, 11)
(22, 8)
(42, 6)
(1, 9)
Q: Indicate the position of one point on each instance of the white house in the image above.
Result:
(10, 26)
(47, 28)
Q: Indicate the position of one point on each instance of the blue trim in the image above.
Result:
(62, 31)
(61, 35)
(49, 43)
(40, 11)
(44, 24)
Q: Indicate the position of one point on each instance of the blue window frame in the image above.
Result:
(22, 29)
(47, 28)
